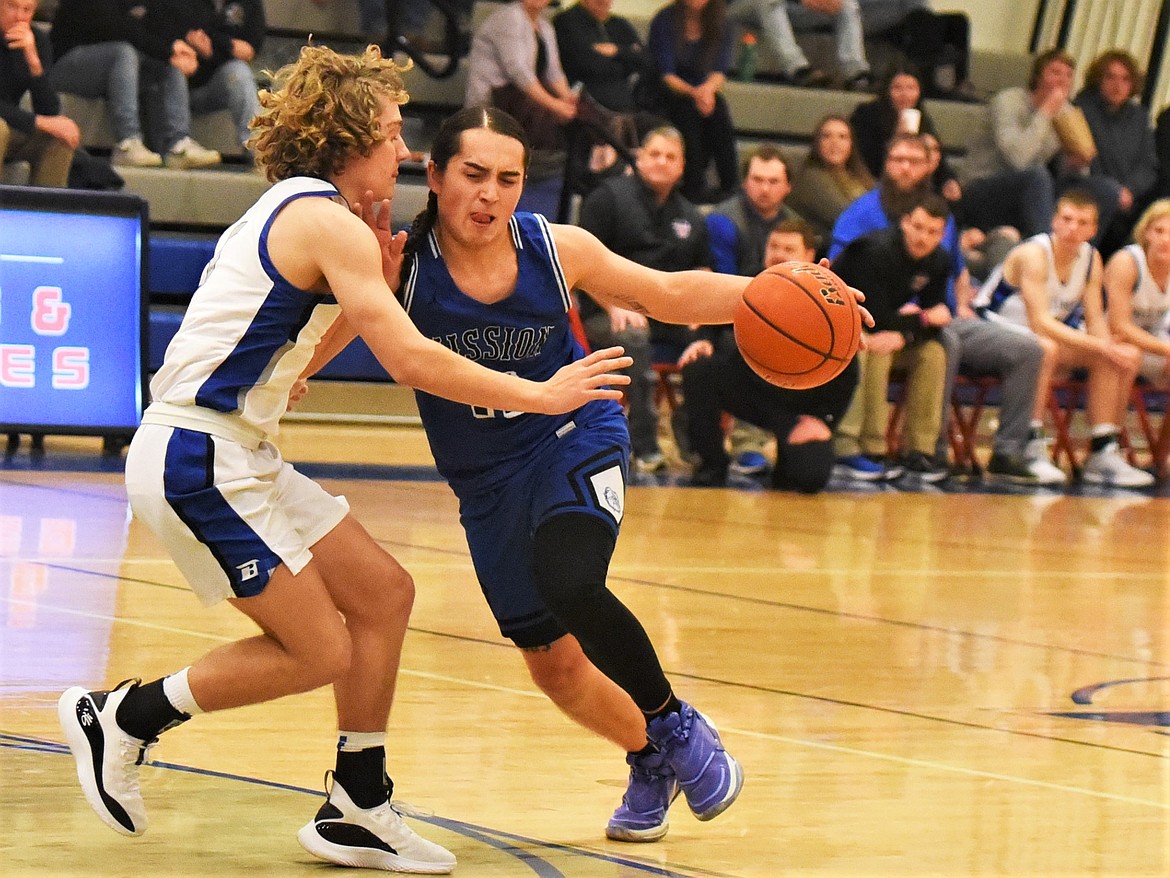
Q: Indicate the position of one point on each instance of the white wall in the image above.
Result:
(996, 25)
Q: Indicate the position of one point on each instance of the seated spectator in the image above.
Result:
(645, 218)
(716, 379)
(778, 21)
(1018, 162)
(832, 176)
(905, 271)
(1162, 148)
(936, 43)
(42, 136)
(739, 227)
(903, 183)
(971, 345)
(1137, 288)
(1123, 137)
(691, 44)
(105, 51)
(604, 53)
(515, 65)
(1050, 286)
(898, 109)
(1005, 179)
(226, 39)
(604, 56)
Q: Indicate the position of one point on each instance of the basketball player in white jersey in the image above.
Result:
(243, 526)
(1050, 285)
(1137, 288)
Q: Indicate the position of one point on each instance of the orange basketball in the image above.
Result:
(797, 325)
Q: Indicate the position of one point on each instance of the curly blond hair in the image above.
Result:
(323, 109)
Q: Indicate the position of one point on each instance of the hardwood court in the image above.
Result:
(916, 685)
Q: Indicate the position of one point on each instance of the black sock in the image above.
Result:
(146, 712)
(362, 774)
(1097, 443)
(648, 750)
(673, 705)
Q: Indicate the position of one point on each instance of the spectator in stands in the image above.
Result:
(1162, 147)
(937, 43)
(604, 53)
(739, 227)
(779, 20)
(605, 57)
(970, 345)
(904, 180)
(740, 224)
(1006, 180)
(515, 65)
(645, 218)
(691, 44)
(1137, 288)
(898, 109)
(1050, 286)
(1123, 137)
(105, 51)
(831, 178)
(42, 136)
(716, 379)
(905, 271)
(226, 38)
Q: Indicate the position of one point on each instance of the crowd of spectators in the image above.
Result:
(656, 145)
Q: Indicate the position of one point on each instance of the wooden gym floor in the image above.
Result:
(917, 684)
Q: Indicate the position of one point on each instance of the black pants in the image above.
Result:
(725, 383)
(706, 139)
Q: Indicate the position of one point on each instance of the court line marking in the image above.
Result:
(518, 847)
(768, 736)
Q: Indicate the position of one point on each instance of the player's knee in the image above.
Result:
(570, 557)
(557, 671)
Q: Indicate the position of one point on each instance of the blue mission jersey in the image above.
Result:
(527, 334)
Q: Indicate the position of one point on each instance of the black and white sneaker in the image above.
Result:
(370, 838)
(107, 758)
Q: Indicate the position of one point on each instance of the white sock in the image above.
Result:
(1103, 430)
(178, 692)
(352, 742)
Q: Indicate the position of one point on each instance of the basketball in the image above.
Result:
(797, 325)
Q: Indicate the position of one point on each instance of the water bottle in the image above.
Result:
(748, 57)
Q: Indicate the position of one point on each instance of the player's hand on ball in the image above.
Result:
(798, 325)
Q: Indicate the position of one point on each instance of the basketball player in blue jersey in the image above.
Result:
(541, 498)
(1050, 285)
(242, 525)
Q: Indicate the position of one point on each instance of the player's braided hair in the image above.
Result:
(446, 145)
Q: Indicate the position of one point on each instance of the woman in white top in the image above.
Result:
(1137, 289)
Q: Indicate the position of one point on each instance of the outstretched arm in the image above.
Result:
(686, 297)
(314, 240)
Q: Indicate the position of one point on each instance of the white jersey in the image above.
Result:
(1151, 303)
(248, 333)
(998, 299)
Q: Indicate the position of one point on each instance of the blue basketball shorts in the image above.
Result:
(581, 471)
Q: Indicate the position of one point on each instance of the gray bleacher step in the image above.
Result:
(216, 198)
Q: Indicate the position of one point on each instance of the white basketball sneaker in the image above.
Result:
(1040, 465)
(107, 758)
(1109, 467)
(370, 838)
